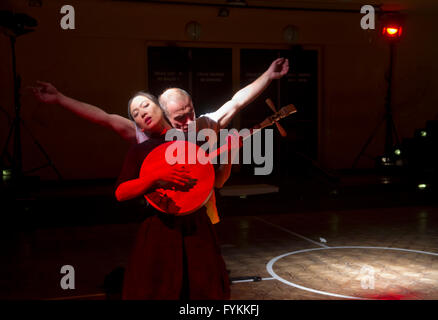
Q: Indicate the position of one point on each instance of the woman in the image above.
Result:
(174, 257)
(126, 128)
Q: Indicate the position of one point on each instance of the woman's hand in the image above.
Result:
(175, 177)
(46, 93)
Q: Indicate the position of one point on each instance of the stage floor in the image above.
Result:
(377, 253)
(387, 253)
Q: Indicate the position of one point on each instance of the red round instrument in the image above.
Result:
(180, 201)
(183, 201)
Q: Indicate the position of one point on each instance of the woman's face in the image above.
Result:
(146, 114)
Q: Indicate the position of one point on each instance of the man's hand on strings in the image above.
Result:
(278, 68)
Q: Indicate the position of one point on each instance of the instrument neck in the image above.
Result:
(244, 136)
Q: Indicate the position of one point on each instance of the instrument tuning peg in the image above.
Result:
(280, 128)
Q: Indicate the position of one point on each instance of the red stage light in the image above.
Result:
(392, 32)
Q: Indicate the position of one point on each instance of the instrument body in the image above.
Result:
(180, 201)
(183, 201)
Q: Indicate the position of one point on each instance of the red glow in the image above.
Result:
(395, 296)
(392, 32)
(388, 297)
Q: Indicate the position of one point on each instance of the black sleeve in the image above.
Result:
(132, 164)
(134, 160)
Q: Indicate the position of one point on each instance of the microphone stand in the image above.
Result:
(16, 161)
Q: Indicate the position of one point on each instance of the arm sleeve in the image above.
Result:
(131, 165)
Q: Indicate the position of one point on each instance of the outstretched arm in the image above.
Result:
(244, 96)
(47, 93)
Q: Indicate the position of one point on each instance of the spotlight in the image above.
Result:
(397, 152)
(16, 23)
(392, 32)
(386, 180)
(6, 175)
(422, 186)
(6, 172)
(385, 161)
(423, 133)
(392, 27)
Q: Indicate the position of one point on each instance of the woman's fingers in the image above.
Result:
(184, 178)
(177, 176)
(45, 87)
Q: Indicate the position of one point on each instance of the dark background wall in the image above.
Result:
(105, 59)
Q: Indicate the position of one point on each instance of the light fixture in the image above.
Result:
(223, 12)
(386, 180)
(392, 32)
(193, 30)
(422, 186)
(6, 175)
(423, 133)
(386, 161)
(290, 34)
(397, 152)
(392, 27)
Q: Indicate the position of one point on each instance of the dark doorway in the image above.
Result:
(206, 73)
(298, 87)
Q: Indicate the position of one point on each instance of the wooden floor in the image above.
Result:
(362, 254)
(376, 253)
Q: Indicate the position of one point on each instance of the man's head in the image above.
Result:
(178, 107)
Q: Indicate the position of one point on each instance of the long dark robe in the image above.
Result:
(173, 257)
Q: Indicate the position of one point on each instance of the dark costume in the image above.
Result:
(173, 257)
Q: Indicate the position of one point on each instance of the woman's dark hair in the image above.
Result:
(144, 94)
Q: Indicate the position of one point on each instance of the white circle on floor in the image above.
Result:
(271, 263)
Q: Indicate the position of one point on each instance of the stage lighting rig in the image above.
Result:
(391, 27)
(14, 25)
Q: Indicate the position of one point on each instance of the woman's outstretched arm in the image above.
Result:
(47, 93)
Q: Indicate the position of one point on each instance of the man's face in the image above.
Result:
(181, 113)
